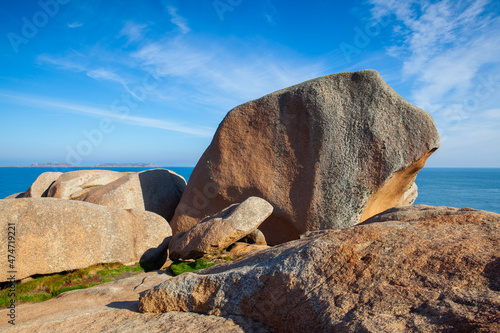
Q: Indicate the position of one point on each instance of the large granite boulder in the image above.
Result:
(40, 186)
(326, 153)
(157, 191)
(54, 235)
(418, 269)
(73, 184)
(216, 233)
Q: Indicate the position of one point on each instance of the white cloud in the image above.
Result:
(107, 75)
(450, 54)
(178, 20)
(103, 113)
(62, 63)
(133, 31)
(444, 45)
(101, 74)
(196, 75)
(269, 12)
(214, 74)
(75, 25)
(492, 115)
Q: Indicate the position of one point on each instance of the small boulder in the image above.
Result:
(411, 269)
(15, 196)
(55, 235)
(157, 191)
(73, 184)
(255, 237)
(40, 186)
(216, 233)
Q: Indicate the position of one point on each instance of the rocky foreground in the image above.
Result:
(113, 307)
(419, 268)
(324, 171)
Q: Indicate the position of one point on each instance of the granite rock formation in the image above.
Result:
(326, 153)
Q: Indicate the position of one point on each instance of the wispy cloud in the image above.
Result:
(178, 20)
(269, 12)
(191, 73)
(133, 31)
(75, 25)
(216, 75)
(103, 113)
(443, 46)
(450, 54)
(96, 74)
(62, 63)
(102, 74)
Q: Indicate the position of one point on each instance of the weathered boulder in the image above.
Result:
(41, 185)
(113, 307)
(326, 153)
(15, 196)
(216, 233)
(71, 185)
(54, 235)
(425, 269)
(157, 191)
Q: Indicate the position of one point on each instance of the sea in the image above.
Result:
(477, 188)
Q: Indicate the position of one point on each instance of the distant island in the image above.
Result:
(100, 165)
(51, 165)
(125, 165)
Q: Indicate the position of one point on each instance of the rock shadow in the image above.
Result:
(125, 305)
(160, 191)
(492, 273)
(46, 192)
(155, 258)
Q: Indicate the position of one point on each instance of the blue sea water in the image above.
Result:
(477, 188)
(455, 187)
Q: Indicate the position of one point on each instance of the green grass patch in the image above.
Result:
(180, 267)
(109, 274)
(35, 298)
(64, 289)
(46, 287)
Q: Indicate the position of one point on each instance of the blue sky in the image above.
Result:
(87, 82)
